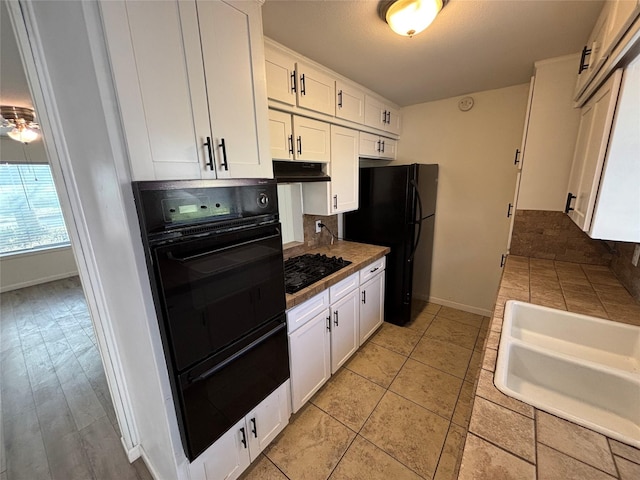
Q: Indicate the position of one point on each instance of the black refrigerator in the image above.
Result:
(397, 209)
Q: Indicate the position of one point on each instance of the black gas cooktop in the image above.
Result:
(302, 271)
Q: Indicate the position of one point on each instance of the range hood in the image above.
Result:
(293, 172)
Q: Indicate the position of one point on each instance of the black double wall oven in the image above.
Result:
(214, 256)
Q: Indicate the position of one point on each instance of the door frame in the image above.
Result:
(37, 74)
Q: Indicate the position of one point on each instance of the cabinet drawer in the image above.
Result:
(298, 316)
(343, 287)
(372, 269)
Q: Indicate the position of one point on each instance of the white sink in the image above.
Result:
(577, 367)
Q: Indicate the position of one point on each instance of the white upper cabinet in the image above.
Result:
(622, 13)
(298, 138)
(280, 135)
(380, 115)
(349, 102)
(591, 147)
(375, 146)
(190, 84)
(316, 89)
(281, 76)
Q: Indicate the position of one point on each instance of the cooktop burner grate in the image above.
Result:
(302, 271)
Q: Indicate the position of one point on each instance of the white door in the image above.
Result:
(309, 358)
(369, 145)
(233, 57)
(280, 135)
(371, 306)
(591, 149)
(349, 102)
(597, 55)
(226, 459)
(311, 140)
(267, 420)
(344, 329)
(388, 148)
(316, 90)
(374, 113)
(393, 123)
(281, 76)
(344, 169)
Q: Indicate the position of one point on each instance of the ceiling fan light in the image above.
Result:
(410, 17)
(23, 134)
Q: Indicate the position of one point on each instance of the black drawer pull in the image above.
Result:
(567, 206)
(224, 163)
(244, 438)
(211, 161)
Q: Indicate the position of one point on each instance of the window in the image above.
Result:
(30, 214)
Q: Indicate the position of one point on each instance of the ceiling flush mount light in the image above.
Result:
(410, 17)
(19, 123)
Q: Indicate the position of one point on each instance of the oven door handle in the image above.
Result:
(239, 353)
(171, 256)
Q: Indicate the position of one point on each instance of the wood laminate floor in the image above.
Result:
(58, 420)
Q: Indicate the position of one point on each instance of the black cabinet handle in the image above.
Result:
(384, 117)
(388, 118)
(567, 206)
(211, 161)
(254, 429)
(378, 149)
(335, 318)
(583, 66)
(335, 202)
(244, 437)
(516, 160)
(303, 90)
(364, 296)
(509, 210)
(291, 144)
(382, 145)
(224, 163)
(503, 260)
(299, 142)
(374, 269)
(329, 323)
(340, 99)
(293, 81)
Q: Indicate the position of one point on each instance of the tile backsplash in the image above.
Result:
(552, 235)
(311, 238)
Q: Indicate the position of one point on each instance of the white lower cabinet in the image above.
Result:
(232, 453)
(326, 330)
(371, 298)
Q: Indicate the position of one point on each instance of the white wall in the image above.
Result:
(551, 136)
(26, 269)
(475, 152)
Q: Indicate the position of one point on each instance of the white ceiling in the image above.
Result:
(473, 45)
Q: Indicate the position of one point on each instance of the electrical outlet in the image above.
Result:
(319, 228)
(636, 256)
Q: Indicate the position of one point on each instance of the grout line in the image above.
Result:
(583, 462)
(502, 448)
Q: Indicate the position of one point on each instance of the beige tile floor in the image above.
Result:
(399, 409)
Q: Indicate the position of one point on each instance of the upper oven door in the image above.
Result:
(218, 288)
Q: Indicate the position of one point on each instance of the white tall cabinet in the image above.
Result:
(190, 82)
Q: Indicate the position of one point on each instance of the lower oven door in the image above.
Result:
(215, 289)
(223, 389)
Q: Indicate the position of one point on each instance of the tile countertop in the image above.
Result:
(360, 255)
(508, 439)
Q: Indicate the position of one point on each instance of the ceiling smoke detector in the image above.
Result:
(410, 17)
(19, 123)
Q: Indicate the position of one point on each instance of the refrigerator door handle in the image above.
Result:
(417, 222)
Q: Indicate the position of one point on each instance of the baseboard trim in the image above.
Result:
(459, 306)
(38, 281)
(133, 453)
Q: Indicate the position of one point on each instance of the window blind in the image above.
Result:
(30, 214)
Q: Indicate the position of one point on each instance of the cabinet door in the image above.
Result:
(369, 145)
(311, 140)
(316, 89)
(344, 169)
(344, 329)
(233, 57)
(226, 459)
(155, 90)
(280, 135)
(374, 112)
(595, 43)
(309, 359)
(281, 76)
(388, 148)
(371, 306)
(393, 123)
(622, 13)
(591, 147)
(267, 420)
(349, 102)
